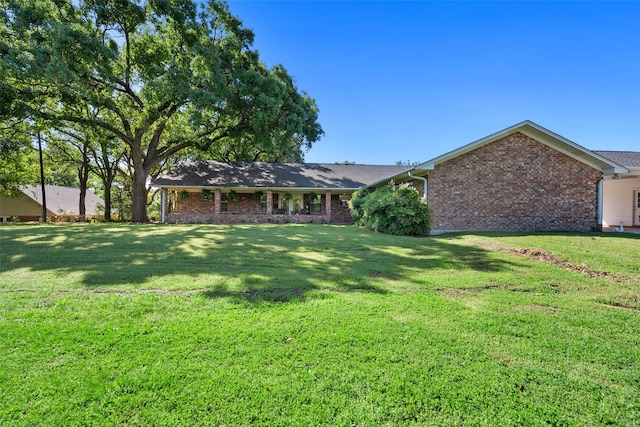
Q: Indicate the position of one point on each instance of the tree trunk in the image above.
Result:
(139, 195)
(83, 177)
(82, 206)
(107, 200)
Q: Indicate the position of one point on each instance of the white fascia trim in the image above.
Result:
(430, 164)
(404, 173)
(537, 132)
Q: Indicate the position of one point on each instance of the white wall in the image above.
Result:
(617, 201)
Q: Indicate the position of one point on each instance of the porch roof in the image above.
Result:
(319, 176)
(628, 159)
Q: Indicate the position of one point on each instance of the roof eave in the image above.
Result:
(272, 188)
(390, 177)
(540, 134)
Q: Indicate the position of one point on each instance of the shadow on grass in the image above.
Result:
(252, 263)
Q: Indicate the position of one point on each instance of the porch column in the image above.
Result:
(217, 201)
(327, 206)
(269, 202)
(163, 205)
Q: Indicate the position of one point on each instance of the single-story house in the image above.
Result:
(63, 204)
(255, 192)
(523, 178)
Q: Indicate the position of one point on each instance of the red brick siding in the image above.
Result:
(515, 183)
(339, 214)
(246, 209)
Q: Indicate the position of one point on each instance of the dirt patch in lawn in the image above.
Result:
(623, 302)
(541, 308)
(543, 256)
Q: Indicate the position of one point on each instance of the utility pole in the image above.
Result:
(44, 196)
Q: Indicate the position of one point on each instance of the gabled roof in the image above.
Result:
(325, 176)
(541, 134)
(628, 159)
(63, 200)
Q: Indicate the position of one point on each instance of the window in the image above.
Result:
(344, 200)
(224, 203)
(263, 203)
(315, 204)
(172, 202)
(274, 202)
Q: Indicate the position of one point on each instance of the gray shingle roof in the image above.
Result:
(628, 159)
(275, 175)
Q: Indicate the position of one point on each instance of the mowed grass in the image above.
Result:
(199, 325)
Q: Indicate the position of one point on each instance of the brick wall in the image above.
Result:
(246, 209)
(339, 214)
(515, 183)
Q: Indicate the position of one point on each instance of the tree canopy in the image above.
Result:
(161, 76)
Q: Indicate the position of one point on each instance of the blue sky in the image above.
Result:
(411, 80)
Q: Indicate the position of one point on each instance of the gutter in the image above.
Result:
(424, 192)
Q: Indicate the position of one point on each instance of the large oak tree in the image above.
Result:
(162, 76)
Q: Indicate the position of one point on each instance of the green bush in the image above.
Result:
(391, 210)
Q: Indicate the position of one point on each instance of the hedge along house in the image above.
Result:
(256, 192)
(523, 178)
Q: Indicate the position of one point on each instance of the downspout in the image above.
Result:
(424, 192)
(599, 225)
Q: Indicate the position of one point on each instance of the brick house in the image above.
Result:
(523, 178)
(257, 192)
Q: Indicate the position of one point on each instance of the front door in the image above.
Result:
(636, 208)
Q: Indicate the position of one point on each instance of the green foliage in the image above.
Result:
(258, 194)
(161, 77)
(392, 210)
(19, 165)
(232, 195)
(184, 195)
(356, 205)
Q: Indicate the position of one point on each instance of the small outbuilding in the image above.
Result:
(63, 204)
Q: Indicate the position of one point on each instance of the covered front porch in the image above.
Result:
(621, 201)
(221, 206)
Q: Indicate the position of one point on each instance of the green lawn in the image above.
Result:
(316, 325)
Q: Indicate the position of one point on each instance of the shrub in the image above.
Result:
(356, 205)
(391, 210)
